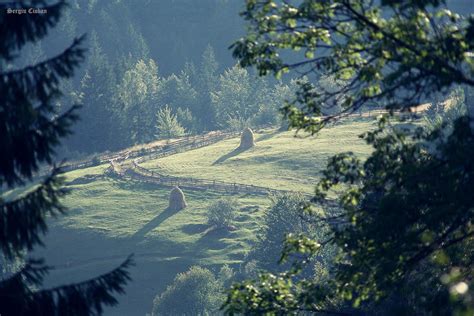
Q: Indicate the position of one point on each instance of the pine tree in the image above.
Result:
(96, 93)
(30, 130)
(139, 47)
(34, 54)
(137, 97)
(68, 25)
(207, 82)
(209, 67)
(238, 96)
(167, 124)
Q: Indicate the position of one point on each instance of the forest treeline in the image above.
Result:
(157, 69)
(128, 94)
(135, 104)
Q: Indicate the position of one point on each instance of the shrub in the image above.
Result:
(284, 216)
(96, 160)
(226, 276)
(222, 212)
(194, 292)
(443, 114)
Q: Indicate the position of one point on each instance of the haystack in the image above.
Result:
(247, 139)
(177, 200)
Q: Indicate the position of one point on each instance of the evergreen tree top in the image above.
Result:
(30, 129)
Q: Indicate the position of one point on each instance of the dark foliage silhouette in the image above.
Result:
(30, 129)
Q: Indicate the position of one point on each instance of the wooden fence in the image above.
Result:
(172, 147)
(140, 173)
(185, 145)
(134, 171)
(143, 174)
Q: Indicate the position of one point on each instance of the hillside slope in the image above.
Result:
(111, 217)
(278, 161)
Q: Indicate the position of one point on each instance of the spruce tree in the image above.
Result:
(137, 95)
(209, 68)
(167, 125)
(207, 82)
(97, 89)
(30, 130)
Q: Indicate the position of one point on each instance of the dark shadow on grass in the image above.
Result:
(243, 218)
(167, 213)
(211, 238)
(233, 153)
(136, 185)
(192, 229)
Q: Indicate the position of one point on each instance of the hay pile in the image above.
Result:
(177, 199)
(247, 139)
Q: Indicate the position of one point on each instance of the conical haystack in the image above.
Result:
(247, 139)
(177, 199)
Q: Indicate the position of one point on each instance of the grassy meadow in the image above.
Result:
(279, 160)
(110, 218)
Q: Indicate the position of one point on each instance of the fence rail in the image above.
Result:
(185, 143)
(120, 163)
(137, 172)
(134, 171)
(140, 173)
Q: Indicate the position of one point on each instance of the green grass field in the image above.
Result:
(136, 212)
(110, 218)
(279, 161)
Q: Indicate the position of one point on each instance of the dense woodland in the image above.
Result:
(137, 84)
(363, 199)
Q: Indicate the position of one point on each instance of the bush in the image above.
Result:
(225, 276)
(194, 292)
(285, 216)
(222, 212)
(96, 160)
(443, 114)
